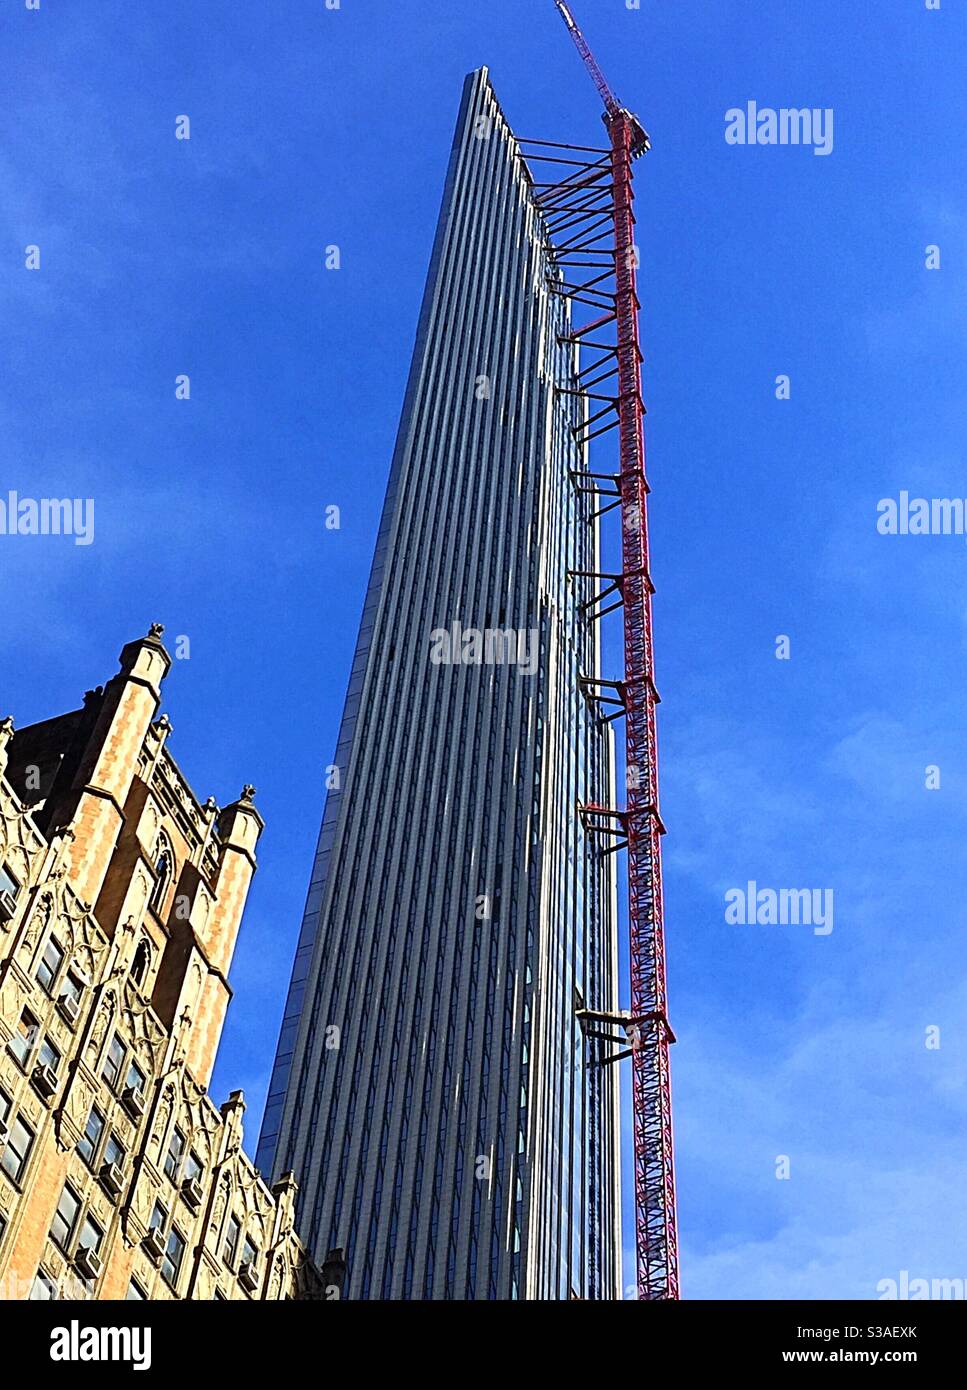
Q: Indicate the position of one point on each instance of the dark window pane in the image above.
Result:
(17, 1151)
(136, 1077)
(71, 986)
(91, 1235)
(43, 1288)
(50, 964)
(232, 1232)
(176, 1147)
(113, 1062)
(89, 1140)
(22, 1042)
(113, 1150)
(62, 1226)
(171, 1265)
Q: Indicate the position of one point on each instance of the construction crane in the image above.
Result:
(613, 108)
(599, 198)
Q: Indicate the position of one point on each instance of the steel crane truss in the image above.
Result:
(585, 196)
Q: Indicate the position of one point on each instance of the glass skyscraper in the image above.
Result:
(430, 1087)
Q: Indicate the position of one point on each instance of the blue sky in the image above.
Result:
(312, 127)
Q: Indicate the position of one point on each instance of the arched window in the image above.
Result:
(139, 966)
(164, 867)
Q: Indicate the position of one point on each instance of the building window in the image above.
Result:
(93, 1132)
(3, 1226)
(47, 1055)
(164, 863)
(250, 1252)
(193, 1168)
(113, 1062)
(17, 1150)
(136, 1079)
(65, 1218)
(50, 965)
(23, 1040)
(159, 1218)
(230, 1244)
(91, 1235)
(114, 1151)
(139, 966)
(135, 1293)
(71, 987)
(43, 1288)
(176, 1149)
(174, 1254)
(8, 884)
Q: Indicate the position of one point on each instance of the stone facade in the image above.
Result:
(120, 902)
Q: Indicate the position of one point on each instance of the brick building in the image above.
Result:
(120, 903)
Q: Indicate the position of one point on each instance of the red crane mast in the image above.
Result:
(638, 827)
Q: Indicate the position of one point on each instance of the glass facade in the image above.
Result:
(429, 1087)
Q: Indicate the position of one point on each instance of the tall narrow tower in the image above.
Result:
(431, 1084)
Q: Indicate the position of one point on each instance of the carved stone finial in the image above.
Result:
(6, 727)
(211, 806)
(164, 724)
(248, 792)
(156, 630)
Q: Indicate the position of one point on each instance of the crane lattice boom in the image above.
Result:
(613, 109)
(600, 81)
